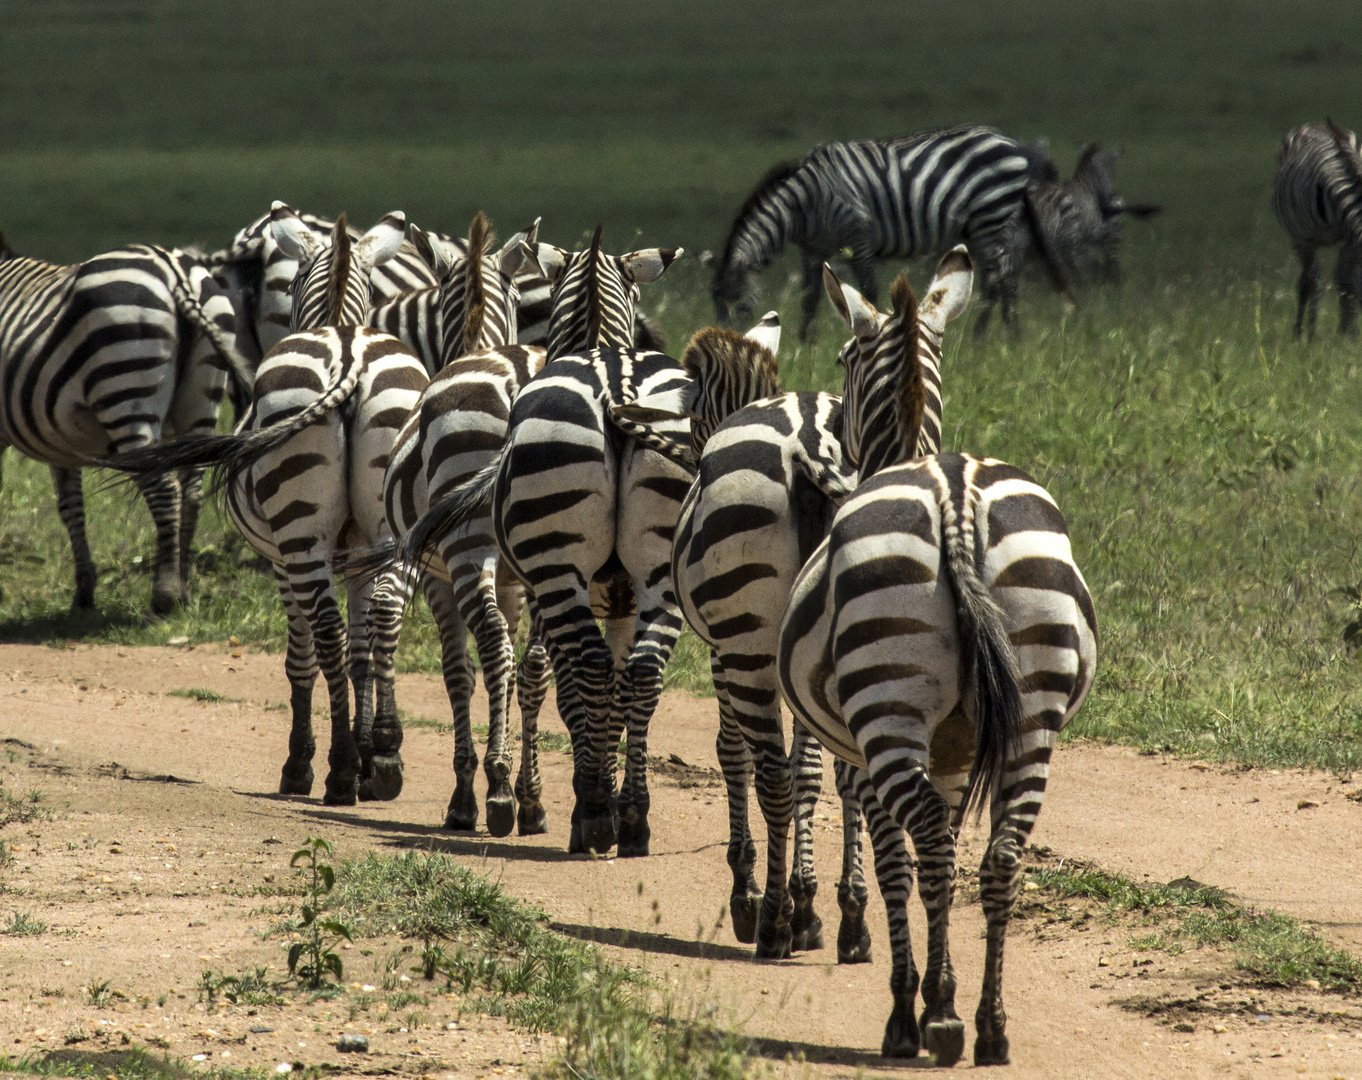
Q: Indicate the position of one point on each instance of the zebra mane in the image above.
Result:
(340, 271)
(474, 295)
(775, 177)
(592, 284)
(1348, 154)
(731, 371)
(912, 395)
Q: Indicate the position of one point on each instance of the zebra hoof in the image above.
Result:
(500, 816)
(809, 936)
(746, 910)
(296, 783)
(462, 813)
(992, 1051)
(341, 790)
(901, 1036)
(386, 784)
(164, 603)
(598, 833)
(945, 1041)
(773, 941)
(531, 820)
(633, 839)
(853, 941)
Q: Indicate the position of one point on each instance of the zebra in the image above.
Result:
(303, 472)
(585, 522)
(110, 355)
(938, 639)
(1081, 217)
(1318, 200)
(912, 196)
(769, 480)
(458, 425)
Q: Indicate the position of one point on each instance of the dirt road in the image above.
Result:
(152, 914)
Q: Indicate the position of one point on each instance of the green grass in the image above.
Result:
(198, 693)
(1269, 949)
(23, 924)
(1208, 466)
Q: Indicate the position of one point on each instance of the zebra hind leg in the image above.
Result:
(894, 872)
(360, 661)
(162, 495)
(735, 762)
(462, 813)
(853, 936)
(481, 612)
(1308, 289)
(380, 754)
(300, 665)
(532, 684)
(71, 507)
(191, 502)
(1348, 280)
(806, 768)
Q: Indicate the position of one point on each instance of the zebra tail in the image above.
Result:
(834, 485)
(1042, 243)
(365, 563)
(449, 513)
(988, 665)
(635, 422)
(1140, 211)
(243, 374)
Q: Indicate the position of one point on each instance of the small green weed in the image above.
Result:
(199, 693)
(22, 924)
(254, 987)
(314, 959)
(99, 993)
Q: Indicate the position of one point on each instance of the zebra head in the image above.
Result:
(594, 294)
(332, 286)
(892, 397)
(767, 219)
(478, 294)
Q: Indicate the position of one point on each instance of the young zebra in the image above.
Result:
(1318, 200)
(769, 481)
(1081, 217)
(585, 523)
(110, 355)
(304, 472)
(942, 621)
(457, 427)
(913, 196)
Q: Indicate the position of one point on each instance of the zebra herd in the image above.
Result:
(499, 427)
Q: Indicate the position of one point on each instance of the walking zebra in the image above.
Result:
(1081, 217)
(108, 356)
(913, 196)
(769, 480)
(457, 427)
(585, 523)
(942, 622)
(304, 471)
(1318, 200)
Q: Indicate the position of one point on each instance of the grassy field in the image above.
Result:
(1207, 464)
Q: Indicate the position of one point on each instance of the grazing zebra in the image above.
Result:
(1081, 217)
(769, 480)
(913, 196)
(304, 473)
(110, 355)
(457, 427)
(939, 639)
(1318, 199)
(585, 522)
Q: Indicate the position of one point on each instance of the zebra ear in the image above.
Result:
(552, 261)
(381, 242)
(767, 333)
(950, 289)
(294, 238)
(513, 253)
(856, 311)
(646, 266)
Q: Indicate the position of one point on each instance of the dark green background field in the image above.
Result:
(1208, 465)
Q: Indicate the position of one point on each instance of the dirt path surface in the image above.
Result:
(145, 884)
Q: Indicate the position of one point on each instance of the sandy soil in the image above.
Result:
(147, 882)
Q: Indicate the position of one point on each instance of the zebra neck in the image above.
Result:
(778, 218)
(569, 333)
(888, 436)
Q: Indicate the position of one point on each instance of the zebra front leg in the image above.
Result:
(1308, 290)
(300, 665)
(1348, 280)
(905, 791)
(735, 762)
(853, 936)
(1016, 804)
(71, 507)
(482, 614)
(806, 770)
(462, 813)
(162, 495)
(191, 503)
(532, 684)
(380, 756)
(894, 872)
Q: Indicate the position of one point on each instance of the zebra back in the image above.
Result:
(1318, 194)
